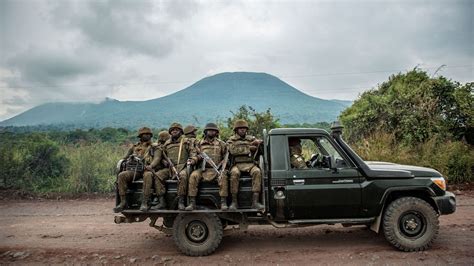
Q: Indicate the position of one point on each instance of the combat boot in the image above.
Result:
(234, 205)
(255, 204)
(161, 203)
(144, 207)
(181, 203)
(122, 205)
(224, 204)
(192, 204)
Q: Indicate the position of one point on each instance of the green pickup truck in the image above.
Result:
(337, 187)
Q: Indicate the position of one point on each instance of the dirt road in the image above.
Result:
(82, 231)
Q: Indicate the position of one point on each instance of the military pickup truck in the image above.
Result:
(337, 187)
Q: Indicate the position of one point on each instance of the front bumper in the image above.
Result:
(446, 204)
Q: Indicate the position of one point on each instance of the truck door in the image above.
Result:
(318, 191)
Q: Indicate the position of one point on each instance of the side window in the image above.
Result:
(300, 149)
(329, 150)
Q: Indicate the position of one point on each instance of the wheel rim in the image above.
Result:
(412, 224)
(197, 231)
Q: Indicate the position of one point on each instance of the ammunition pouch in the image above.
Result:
(243, 159)
(135, 165)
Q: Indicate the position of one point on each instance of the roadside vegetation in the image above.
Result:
(412, 119)
(416, 119)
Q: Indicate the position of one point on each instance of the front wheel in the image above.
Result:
(410, 224)
(197, 234)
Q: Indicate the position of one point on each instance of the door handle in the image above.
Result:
(343, 181)
(298, 181)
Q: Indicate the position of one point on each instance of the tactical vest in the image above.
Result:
(214, 150)
(240, 149)
(141, 149)
(172, 150)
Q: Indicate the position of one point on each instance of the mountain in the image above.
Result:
(209, 99)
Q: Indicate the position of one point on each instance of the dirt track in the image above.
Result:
(82, 231)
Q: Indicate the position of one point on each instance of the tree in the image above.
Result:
(414, 107)
(257, 121)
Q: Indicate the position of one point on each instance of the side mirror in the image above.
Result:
(330, 162)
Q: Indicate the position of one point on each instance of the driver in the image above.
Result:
(296, 157)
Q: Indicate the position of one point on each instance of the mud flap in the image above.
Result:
(375, 226)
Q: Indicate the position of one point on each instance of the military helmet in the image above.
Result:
(144, 130)
(189, 129)
(240, 123)
(211, 126)
(175, 125)
(163, 135)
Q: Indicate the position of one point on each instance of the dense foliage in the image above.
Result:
(416, 119)
(80, 161)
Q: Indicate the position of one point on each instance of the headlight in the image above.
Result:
(440, 182)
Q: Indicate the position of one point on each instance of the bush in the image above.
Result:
(92, 167)
(454, 159)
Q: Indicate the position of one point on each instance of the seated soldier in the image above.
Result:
(296, 154)
(216, 149)
(178, 151)
(243, 148)
(137, 151)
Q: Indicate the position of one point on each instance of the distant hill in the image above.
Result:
(207, 100)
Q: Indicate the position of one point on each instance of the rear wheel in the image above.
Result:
(410, 224)
(197, 234)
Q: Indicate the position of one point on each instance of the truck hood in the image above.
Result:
(416, 171)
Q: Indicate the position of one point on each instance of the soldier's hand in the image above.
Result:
(256, 142)
(148, 168)
(165, 163)
(191, 162)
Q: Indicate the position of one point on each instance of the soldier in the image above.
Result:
(180, 151)
(242, 147)
(163, 136)
(216, 149)
(150, 171)
(190, 131)
(141, 150)
(296, 157)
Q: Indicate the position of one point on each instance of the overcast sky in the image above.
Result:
(136, 50)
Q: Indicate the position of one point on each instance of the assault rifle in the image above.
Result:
(172, 167)
(135, 164)
(208, 160)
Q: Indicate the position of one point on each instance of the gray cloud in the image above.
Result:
(50, 67)
(135, 27)
(131, 50)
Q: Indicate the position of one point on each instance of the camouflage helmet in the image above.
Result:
(175, 125)
(240, 123)
(211, 126)
(189, 129)
(163, 135)
(144, 130)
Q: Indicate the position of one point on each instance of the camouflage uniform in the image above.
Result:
(243, 161)
(296, 158)
(216, 149)
(142, 150)
(172, 149)
(190, 133)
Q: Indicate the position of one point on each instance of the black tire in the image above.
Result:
(410, 224)
(197, 234)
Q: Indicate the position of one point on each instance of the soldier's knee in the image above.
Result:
(234, 172)
(255, 171)
(194, 176)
